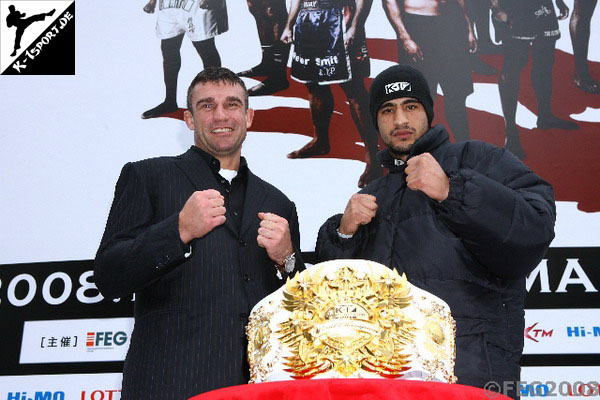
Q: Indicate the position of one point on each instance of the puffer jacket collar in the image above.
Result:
(432, 139)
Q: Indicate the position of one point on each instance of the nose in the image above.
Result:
(400, 117)
(220, 113)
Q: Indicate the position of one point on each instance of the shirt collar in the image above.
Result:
(215, 164)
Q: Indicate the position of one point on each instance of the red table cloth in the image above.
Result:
(350, 389)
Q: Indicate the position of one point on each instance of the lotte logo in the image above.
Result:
(532, 334)
(114, 394)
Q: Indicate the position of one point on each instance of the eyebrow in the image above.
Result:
(235, 99)
(212, 100)
(407, 101)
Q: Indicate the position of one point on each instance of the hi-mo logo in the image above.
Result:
(36, 396)
(582, 331)
(105, 339)
(397, 86)
(533, 334)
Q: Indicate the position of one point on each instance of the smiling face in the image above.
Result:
(401, 122)
(219, 118)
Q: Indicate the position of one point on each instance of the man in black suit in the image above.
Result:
(199, 239)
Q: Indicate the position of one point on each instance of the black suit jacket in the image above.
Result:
(190, 313)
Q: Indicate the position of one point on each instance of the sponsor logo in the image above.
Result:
(397, 86)
(112, 394)
(561, 331)
(105, 339)
(75, 340)
(36, 396)
(582, 331)
(533, 333)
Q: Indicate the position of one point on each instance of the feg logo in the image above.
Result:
(105, 339)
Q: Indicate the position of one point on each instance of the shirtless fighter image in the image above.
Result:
(270, 16)
(201, 21)
(579, 26)
(330, 48)
(525, 25)
(436, 37)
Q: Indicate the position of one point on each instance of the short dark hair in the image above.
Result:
(216, 75)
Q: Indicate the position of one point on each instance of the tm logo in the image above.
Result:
(105, 339)
(36, 396)
(397, 86)
(532, 334)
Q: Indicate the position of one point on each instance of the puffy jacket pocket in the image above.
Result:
(473, 366)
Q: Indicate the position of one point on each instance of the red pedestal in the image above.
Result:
(350, 389)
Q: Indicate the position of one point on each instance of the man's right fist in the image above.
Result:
(202, 212)
(360, 210)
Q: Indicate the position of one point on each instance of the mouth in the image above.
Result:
(402, 133)
(222, 130)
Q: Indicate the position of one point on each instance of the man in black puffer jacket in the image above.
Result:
(466, 222)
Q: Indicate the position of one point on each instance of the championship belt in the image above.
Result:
(351, 319)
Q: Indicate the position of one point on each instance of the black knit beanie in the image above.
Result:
(399, 81)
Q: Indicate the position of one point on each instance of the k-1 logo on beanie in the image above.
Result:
(397, 86)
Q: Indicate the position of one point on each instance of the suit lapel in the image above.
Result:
(202, 178)
(256, 192)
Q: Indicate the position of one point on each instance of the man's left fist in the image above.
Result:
(274, 236)
(424, 173)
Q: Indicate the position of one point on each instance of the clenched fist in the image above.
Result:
(424, 173)
(202, 212)
(360, 210)
(274, 236)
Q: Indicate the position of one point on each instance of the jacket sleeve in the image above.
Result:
(503, 213)
(330, 246)
(135, 250)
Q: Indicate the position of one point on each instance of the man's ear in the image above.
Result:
(189, 119)
(249, 117)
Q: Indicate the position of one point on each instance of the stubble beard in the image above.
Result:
(399, 152)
